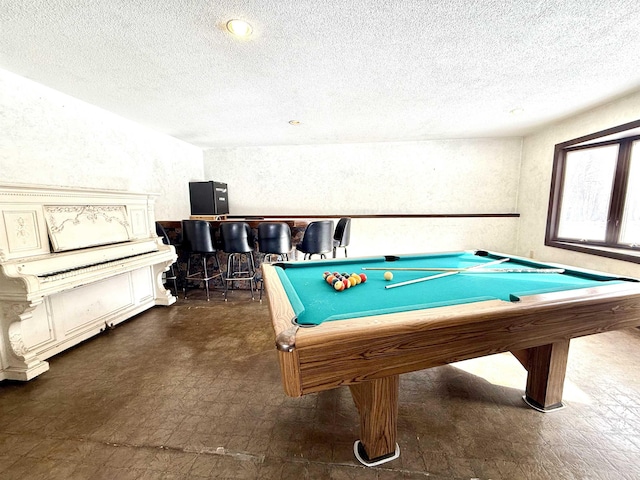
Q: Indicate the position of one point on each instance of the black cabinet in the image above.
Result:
(209, 198)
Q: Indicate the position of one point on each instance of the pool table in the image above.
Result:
(364, 337)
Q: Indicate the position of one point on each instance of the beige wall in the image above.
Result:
(535, 183)
(432, 177)
(49, 138)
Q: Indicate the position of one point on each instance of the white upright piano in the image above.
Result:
(72, 263)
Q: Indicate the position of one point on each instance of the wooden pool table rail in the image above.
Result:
(356, 350)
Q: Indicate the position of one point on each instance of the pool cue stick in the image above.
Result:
(423, 279)
(446, 274)
(516, 270)
(416, 269)
(435, 269)
(490, 264)
(463, 270)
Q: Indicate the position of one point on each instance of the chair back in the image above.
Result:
(274, 237)
(236, 237)
(318, 237)
(162, 233)
(198, 236)
(342, 235)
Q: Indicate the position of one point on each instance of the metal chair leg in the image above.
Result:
(206, 276)
(186, 278)
(174, 278)
(235, 271)
(228, 277)
(252, 272)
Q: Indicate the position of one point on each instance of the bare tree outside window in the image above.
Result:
(586, 193)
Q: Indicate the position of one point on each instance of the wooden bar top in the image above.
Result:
(253, 222)
(301, 221)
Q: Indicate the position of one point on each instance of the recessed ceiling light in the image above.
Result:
(294, 122)
(239, 28)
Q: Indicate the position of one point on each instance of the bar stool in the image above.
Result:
(170, 275)
(199, 239)
(274, 240)
(237, 243)
(317, 239)
(342, 235)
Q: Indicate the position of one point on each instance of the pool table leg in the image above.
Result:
(547, 365)
(377, 403)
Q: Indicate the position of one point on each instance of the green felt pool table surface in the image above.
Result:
(315, 301)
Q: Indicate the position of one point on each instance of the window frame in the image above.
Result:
(622, 135)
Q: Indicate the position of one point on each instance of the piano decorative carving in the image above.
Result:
(73, 262)
(22, 361)
(76, 226)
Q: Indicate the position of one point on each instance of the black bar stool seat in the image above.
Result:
(274, 241)
(237, 242)
(342, 235)
(317, 239)
(198, 238)
(170, 275)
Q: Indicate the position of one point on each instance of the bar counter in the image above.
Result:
(174, 232)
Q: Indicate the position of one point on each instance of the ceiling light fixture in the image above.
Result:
(239, 28)
(294, 122)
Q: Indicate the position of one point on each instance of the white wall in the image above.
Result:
(535, 183)
(431, 177)
(49, 138)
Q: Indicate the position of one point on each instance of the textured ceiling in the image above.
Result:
(349, 71)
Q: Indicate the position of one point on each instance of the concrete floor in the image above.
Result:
(193, 391)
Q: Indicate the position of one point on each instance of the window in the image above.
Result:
(594, 205)
(630, 231)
